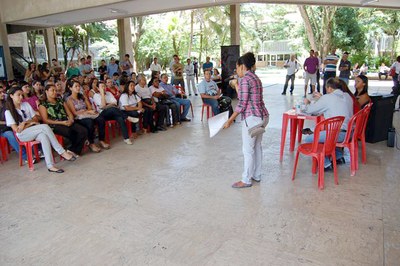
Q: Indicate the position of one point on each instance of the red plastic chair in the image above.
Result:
(28, 145)
(361, 136)
(209, 111)
(5, 148)
(319, 150)
(110, 124)
(354, 128)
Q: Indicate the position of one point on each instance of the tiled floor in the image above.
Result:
(167, 200)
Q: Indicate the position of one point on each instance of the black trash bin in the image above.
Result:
(381, 118)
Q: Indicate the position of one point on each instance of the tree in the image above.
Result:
(318, 22)
(32, 36)
(137, 31)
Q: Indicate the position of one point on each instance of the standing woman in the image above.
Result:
(254, 113)
(21, 118)
(55, 112)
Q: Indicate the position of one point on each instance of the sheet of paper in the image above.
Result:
(216, 123)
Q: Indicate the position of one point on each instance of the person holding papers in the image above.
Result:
(255, 118)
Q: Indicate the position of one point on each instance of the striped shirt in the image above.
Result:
(331, 66)
(250, 97)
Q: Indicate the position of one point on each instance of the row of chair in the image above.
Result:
(318, 151)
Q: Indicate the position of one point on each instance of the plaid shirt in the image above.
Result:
(250, 97)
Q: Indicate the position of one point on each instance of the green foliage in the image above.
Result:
(347, 34)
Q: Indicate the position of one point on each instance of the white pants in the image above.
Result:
(252, 150)
(191, 85)
(45, 135)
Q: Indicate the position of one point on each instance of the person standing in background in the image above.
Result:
(189, 70)
(126, 65)
(344, 68)
(330, 63)
(155, 67)
(208, 65)
(196, 69)
(292, 67)
(311, 67)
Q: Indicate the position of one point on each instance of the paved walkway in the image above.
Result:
(167, 200)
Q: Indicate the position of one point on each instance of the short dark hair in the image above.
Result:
(127, 55)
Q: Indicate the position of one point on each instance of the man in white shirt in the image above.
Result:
(189, 70)
(161, 96)
(155, 67)
(292, 67)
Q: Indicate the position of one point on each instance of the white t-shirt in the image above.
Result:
(396, 65)
(209, 88)
(26, 112)
(144, 93)
(189, 69)
(109, 99)
(154, 89)
(128, 100)
(155, 67)
(292, 67)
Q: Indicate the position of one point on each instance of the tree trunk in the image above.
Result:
(308, 27)
(32, 45)
(191, 33)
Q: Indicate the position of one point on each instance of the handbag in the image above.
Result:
(255, 126)
(83, 116)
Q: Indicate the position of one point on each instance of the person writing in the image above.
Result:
(254, 114)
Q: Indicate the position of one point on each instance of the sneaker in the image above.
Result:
(196, 94)
(128, 141)
(132, 119)
(283, 93)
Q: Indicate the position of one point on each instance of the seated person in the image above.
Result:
(345, 88)
(150, 105)
(112, 88)
(86, 116)
(361, 93)
(30, 97)
(56, 113)
(6, 131)
(216, 77)
(160, 96)
(107, 106)
(334, 103)
(363, 69)
(211, 95)
(383, 71)
(130, 103)
(23, 121)
(173, 92)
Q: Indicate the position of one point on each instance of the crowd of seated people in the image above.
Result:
(49, 105)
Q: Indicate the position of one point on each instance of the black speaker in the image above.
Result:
(229, 56)
(380, 119)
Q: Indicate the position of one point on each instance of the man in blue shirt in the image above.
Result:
(207, 65)
(172, 92)
(112, 67)
(209, 92)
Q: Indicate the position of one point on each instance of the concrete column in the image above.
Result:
(50, 44)
(6, 49)
(125, 38)
(235, 24)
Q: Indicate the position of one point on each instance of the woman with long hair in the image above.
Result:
(254, 114)
(130, 103)
(29, 96)
(56, 113)
(361, 92)
(86, 116)
(22, 119)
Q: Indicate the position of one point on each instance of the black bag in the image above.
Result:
(225, 104)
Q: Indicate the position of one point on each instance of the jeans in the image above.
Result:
(9, 135)
(291, 78)
(132, 114)
(179, 82)
(252, 150)
(116, 114)
(213, 103)
(322, 137)
(185, 103)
